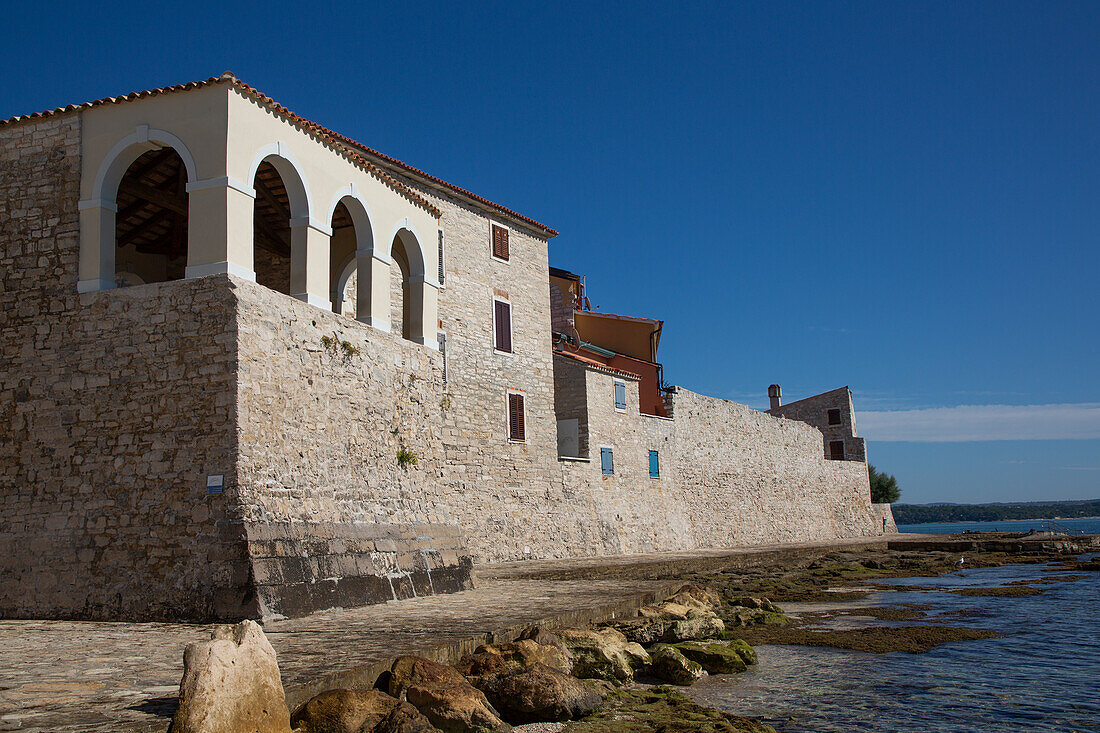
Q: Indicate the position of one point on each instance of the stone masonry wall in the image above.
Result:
(326, 406)
(815, 411)
(749, 478)
(114, 408)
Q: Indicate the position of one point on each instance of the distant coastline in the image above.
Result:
(1024, 511)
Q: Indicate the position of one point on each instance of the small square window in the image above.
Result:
(836, 450)
(607, 461)
(834, 416)
(620, 395)
(654, 465)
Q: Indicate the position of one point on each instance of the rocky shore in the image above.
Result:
(616, 675)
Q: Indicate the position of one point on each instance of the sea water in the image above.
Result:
(1088, 525)
(1043, 674)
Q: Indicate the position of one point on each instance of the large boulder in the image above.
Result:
(695, 626)
(231, 685)
(358, 711)
(443, 696)
(537, 694)
(603, 653)
(492, 658)
(715, 658)
(669, 665)
(746, 652)
(675, 623)
(696, 596)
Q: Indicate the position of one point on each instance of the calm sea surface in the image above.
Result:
(1043, 675)
(1089, 525)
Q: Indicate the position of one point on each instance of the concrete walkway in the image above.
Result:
(65, 677)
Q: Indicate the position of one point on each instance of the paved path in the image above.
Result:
(65, 677)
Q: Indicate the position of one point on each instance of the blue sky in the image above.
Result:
(903, 198)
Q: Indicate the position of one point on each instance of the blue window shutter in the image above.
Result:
(654, 465)
(607, 461)
(620, 396)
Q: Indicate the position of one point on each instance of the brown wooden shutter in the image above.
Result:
(516, 428)
(503, 317)
(500, 242)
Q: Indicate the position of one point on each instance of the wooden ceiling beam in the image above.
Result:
(271, 200)
(172, 201)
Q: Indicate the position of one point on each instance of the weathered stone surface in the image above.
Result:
(537, 693)
(669, 665)
(231, 685)
(670, 623)
(743, 649)
(443, 696)
(357, 711)
(715, 658)
(522, 654)
(603, 653)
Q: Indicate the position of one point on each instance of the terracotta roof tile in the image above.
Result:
(597, 365)
(346, 145)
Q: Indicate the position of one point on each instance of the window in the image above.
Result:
(502, 326)
(836, 450)
(620, 395)
(654, 465)
(517, 430)
(607, 461)
(443, 353)
(442, 274)
(834, 417)
(500, 242)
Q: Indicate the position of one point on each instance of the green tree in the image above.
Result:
(884, 487)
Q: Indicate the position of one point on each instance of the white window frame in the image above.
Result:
(511, 321)
(507, 229)
(508, 415)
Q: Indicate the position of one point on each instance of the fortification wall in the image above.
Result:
(114, 409)
(749, 478)
(333, 517)
(815, 411)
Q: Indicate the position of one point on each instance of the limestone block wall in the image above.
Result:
(815, 410)
(114, 409)
(749, 478)
(880, 512)
(571, 403)
(326, 407)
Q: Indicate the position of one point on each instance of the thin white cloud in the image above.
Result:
(967, 423)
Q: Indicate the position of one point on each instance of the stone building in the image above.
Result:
(253, 368)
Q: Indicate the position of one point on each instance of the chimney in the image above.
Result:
(775, 394)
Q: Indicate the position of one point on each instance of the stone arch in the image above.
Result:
(417, 289)
(281, 215)
(99, 214)
(352, 241)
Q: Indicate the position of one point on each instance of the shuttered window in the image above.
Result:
(834, 417)
(516, 428)
(500, 242)
(441, 272)
(654, 465)
(607, 461)
(620, 395)
(836, 450)
(443, 353)
(502, 326)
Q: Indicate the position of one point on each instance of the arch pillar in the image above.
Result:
(372, 295)
(219, 233)
(310, 245)
(96, 267)
(424, 311)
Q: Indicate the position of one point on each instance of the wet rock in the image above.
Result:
(669, 665)
(743, 649)
(762, 604)
(358, 711)
(493, 658)
(603, 653)
(537, 694)
(231, 683)
(443, 696)
(715, 658)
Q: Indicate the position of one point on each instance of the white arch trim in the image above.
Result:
(282, 150)
(111, 169)
(415, 276)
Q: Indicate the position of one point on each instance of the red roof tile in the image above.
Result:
(346, 145)
(597, 365)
